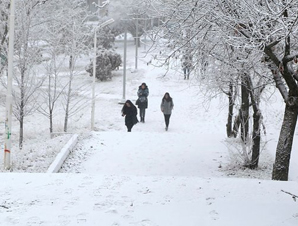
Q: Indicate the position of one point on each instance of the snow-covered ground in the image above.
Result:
(188, 175)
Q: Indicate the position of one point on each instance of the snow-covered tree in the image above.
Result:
(67, 35)
(270, 28)
(253, 28)
(55, 88)
(191, 27)
(137, 16)
(27, 55)
(4, 9)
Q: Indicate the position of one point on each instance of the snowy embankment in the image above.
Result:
(151, 177)
(63, 155)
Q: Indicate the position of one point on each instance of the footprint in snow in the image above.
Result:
(82, 218)
(214, 215)
(13, 220)
(64, 219)
(147, 222)
(127, 217)
(34, 221)
(210, 200)
(68, 191)
(112, 210)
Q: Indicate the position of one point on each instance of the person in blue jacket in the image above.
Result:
(142, 101)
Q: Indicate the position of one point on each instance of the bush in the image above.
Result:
(106, 38)
(106, 62)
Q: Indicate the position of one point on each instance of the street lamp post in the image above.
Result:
(122, 101)
(137, 43)
(94, 69)
(93, 82)
(7, 145)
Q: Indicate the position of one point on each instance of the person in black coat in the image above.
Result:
(130, 112)
(142, 101)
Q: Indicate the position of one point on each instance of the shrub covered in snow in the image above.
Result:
(106, 38)
(106, 62)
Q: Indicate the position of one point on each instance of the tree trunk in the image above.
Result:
(67, 112)
(256, 140)
(255, 94)
(237, 123)
(51, 121)
(68, 97)
(21, 138)
(284, 146)
(244, 108)
(231, 108)
(22, 106)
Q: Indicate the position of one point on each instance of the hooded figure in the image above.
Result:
(142, 101)
(130, 112)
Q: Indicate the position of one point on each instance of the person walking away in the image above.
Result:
(166, 107)
(142, 101)
(186, 65)
(130, 112)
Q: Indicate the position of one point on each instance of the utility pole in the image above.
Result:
(7, 145)
(93, 80)
(137, 43)
(94, 69)
(145, 34)
(124, 66)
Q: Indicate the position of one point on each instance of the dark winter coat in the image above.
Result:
(142, 100)
(130, 114)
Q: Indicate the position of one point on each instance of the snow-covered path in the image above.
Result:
(151, 154)
(194, 135)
